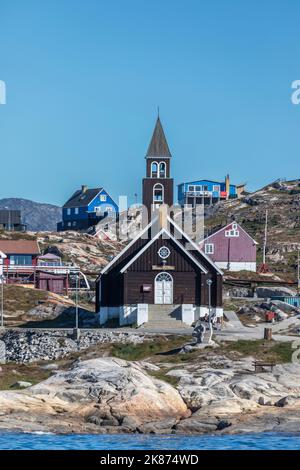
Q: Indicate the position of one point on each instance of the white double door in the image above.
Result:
(163, 289)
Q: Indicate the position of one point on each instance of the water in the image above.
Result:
(18, 441)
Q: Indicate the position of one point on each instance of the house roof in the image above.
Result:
(50, 256)
(158, 147)
(170, 236)
(19, 247)
(224, 228)
(207, 181)
(82, 197)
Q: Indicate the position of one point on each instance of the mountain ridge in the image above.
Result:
(38, 216)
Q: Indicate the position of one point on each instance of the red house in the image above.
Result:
(20, 252)
(231, 248)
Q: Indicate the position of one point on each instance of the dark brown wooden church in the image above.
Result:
(161, 277)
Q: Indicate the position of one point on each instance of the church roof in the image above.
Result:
(154, 230)
(158, 147)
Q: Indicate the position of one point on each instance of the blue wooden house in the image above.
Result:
(85, 208)
(206, 191)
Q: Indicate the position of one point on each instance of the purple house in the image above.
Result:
(231, 248)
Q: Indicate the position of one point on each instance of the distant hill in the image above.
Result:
(37, 216)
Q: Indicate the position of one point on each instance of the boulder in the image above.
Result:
(269, 292)
(21, 384)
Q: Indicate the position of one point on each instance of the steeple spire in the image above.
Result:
(158, 147)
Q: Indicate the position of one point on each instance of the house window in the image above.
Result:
(68, 211)
(69, 224)
(74, 223)
(108, 209)
(76, 210)
(162, 170)
(197, 188)
(21, 260)
(154, 169)
(158, 194)
(97, 209)
(191, 188)
(209, 248)
(232, 233)
(205, 187)
(102, 197)
(216, 188)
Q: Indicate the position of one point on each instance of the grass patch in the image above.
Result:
(136, 352)
(262, 350)
(161, 375)
(18, 298)
(12, 373)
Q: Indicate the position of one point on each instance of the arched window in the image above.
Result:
(158, 194)
(162, 170)
(154, 170)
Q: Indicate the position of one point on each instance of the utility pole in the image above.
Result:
(265, 238)
(209, 283)
(264, 267)
(2, 300)
(298, 272)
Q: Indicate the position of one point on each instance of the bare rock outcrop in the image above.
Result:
(99, 393)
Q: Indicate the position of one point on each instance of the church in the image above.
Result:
(161, 277)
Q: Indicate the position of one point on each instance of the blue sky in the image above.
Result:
(84, 79)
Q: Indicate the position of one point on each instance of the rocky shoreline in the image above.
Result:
(109, 395)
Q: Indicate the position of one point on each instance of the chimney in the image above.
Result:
(227, 185)
(84, 188)
(163, 214)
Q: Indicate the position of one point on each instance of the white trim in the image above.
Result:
(208, 259)
(2, 255)
(225, 227)
(172, 289)
(128, 246)
(151, 172)
(163, 230)
(102, 189)
(165, 172)
(163, 193)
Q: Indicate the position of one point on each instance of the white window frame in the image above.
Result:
(190, 188)
(209, 248)
(152, 172)
(76, 210)
(162, 164)
(102, 197)
(158, 186)
(232, 233)
(68, 211)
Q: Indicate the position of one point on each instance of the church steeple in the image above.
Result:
(158, 185)
(158, 147)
